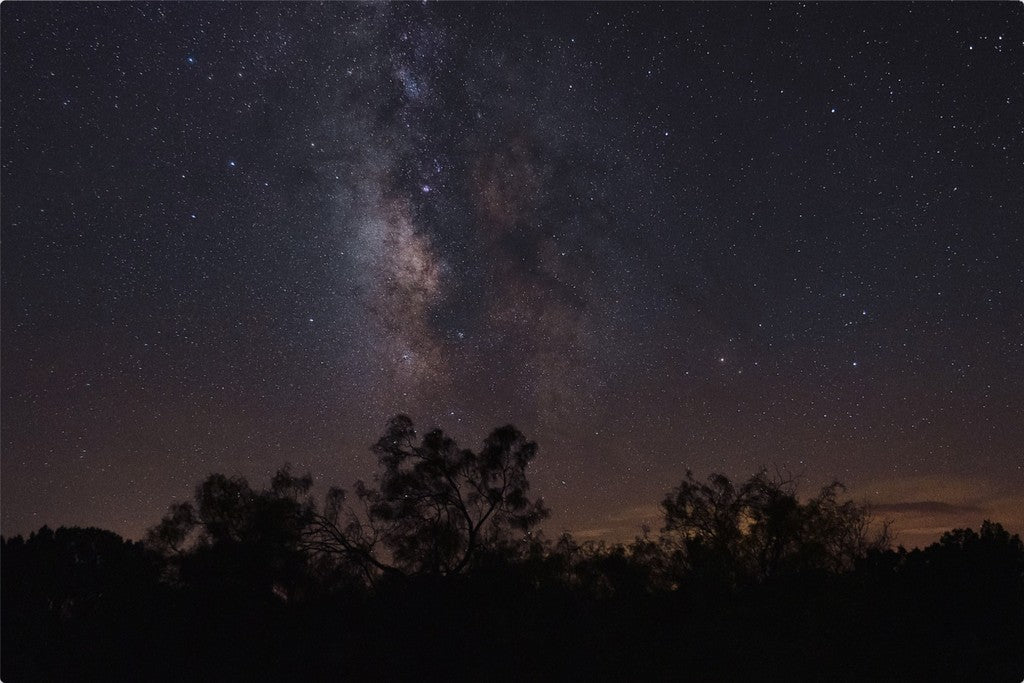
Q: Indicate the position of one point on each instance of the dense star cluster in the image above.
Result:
(654, 237)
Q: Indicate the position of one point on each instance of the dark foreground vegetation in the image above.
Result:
(436, 572)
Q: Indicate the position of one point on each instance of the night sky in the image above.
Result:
(654, 237)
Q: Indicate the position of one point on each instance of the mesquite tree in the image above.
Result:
(434, 506)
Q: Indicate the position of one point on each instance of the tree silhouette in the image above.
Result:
(760, 529)
(435, 506)
(745, 578)
(251, 538)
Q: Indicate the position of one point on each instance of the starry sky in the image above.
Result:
(654, 237)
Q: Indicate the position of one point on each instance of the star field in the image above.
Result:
(654, 237)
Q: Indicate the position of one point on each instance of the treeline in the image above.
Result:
(436, 570)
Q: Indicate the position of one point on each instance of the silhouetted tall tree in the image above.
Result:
(435, 505)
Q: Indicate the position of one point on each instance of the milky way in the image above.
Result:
(480, 254)
(655, 237)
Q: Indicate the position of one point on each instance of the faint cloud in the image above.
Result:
(595, 534)
(638, 514)
(926, 507)
(922, 508)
